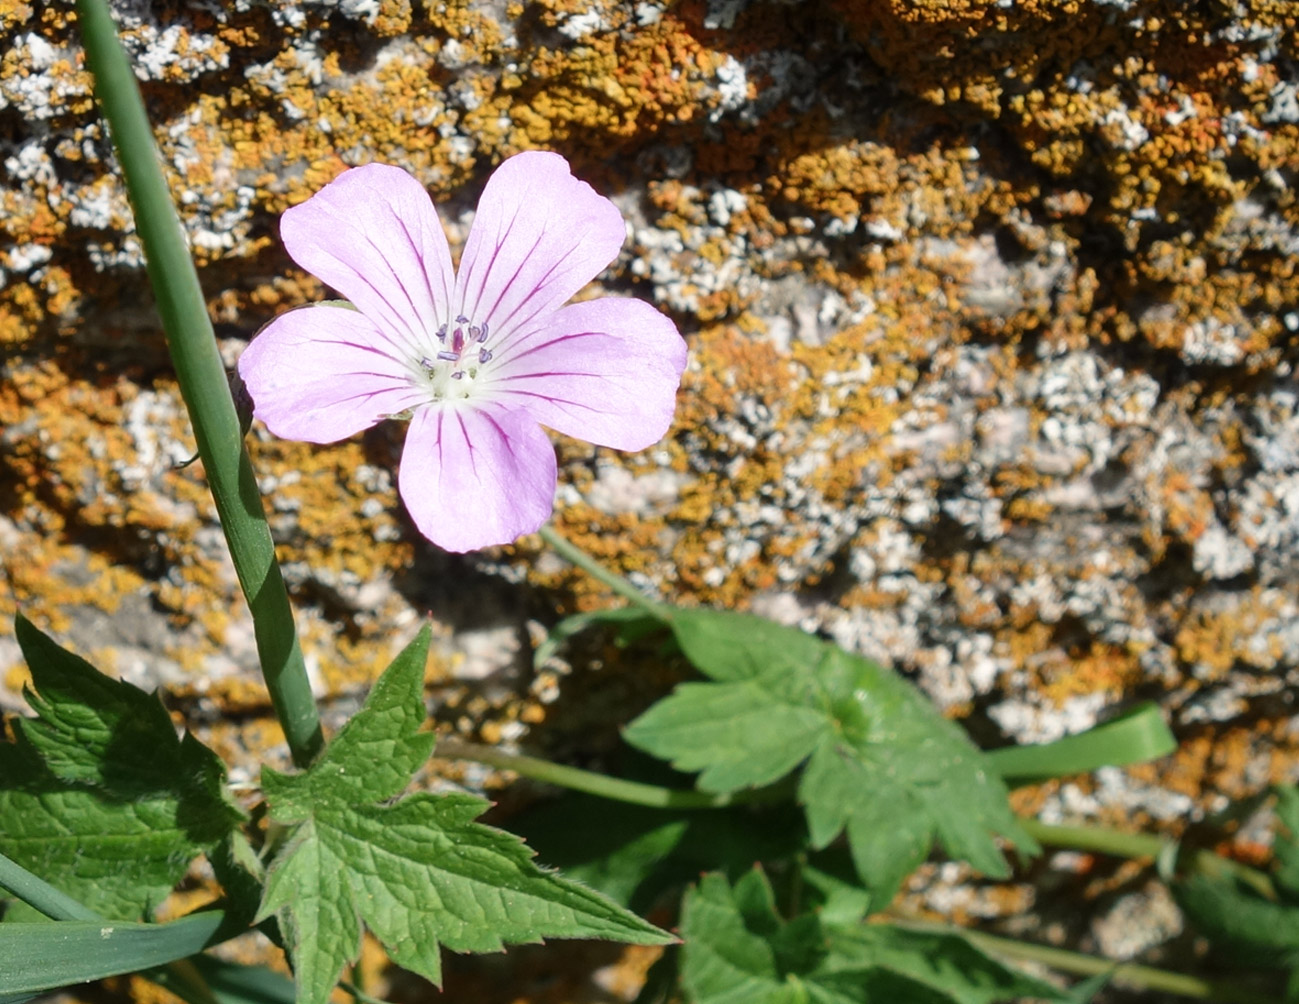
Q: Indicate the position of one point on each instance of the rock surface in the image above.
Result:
(993, 311)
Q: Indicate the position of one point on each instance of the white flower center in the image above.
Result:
(460, 357)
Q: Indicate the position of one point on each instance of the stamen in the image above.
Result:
(455, 336)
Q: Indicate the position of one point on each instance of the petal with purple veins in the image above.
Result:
(605, 371)
(538, 237)
(372, 233)
(322, 373)
(476, 477)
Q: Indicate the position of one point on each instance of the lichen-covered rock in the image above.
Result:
(992, 310)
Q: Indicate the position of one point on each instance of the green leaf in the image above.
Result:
(832, 888)
(1258, 932)
(635, 854)
(631, 623)
(739, 951)
(241, 874)
(1134, 737)
(1286, 844)
(99, 796)
(881, 763)
(946, 964)
(45, 956)
(419, 873)
(1085, 991)
(1257, 925)
(232, 983)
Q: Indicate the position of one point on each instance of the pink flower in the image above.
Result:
(478, 359)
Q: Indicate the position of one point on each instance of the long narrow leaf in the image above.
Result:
(232, 983)
(37, 957)
(40, 895)
(1136, 736)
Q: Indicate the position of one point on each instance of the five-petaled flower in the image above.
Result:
(479, 358)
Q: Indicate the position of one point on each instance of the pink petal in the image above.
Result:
(538, 237)
(372, 233)
(606, 371)
(321, 373)
(476, 477)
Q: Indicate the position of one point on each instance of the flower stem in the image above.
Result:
(1137, 976)
(574, 554)
(203, 383)
(1143, 845)
(616, 789)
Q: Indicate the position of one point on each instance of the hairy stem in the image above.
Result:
(572, 553)
(1133, 975)
(203, 383)
(1144, 845)
(615, 789)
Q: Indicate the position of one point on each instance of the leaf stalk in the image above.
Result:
(1133, 975)
(573, 554)
(616, 789)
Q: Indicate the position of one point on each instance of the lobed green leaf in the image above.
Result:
(99, 796)
(739, 951)
(420, 873)
(880, 762)
(635, 854)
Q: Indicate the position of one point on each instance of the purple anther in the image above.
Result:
(442, 333)
(482, 332)
(483, 356)
(426, 362)
(449, 357)
(458, 375)
(475, 331)
(461, 319)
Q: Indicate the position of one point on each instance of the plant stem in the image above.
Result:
(574, 554)
(1142, 845)
(359, 994)
(1137, 976)
(1094, 838)
(1081, 838)
(203, 383)
(616, 789)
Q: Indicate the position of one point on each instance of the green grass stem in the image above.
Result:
(203, 382)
